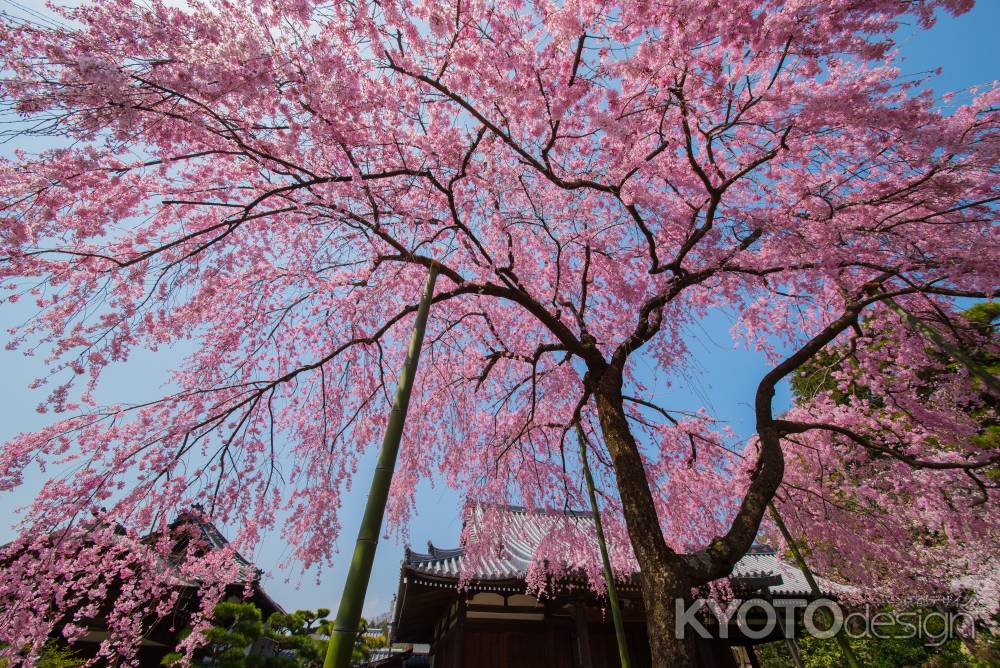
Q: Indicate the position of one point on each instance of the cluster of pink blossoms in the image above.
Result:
(266, 184)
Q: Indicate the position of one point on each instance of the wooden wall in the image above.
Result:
(490, 630)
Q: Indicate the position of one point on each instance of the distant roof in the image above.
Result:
(525, 529)
(210, 538)
(391, 657)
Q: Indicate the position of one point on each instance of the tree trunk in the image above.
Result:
(663, 575)
(666, 576)
(660, 592)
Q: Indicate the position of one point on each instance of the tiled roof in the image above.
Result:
(525, 530)
(212, 539)
(763, 561)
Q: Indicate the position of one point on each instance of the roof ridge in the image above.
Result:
(524, 532)
(514, 508)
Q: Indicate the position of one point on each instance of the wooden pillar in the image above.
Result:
(793, 646)
(752, 655)
(458, 648)
(582, 635)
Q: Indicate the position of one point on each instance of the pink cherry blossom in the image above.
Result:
(267, 184)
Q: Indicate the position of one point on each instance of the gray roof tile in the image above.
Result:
(525, 530)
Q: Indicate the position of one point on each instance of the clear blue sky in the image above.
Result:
(722, 379)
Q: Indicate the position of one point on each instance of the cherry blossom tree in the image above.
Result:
(875, 515)
(273, 180)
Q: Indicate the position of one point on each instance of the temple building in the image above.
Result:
(493, 621)
(193, 535)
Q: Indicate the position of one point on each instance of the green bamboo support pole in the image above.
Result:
(946, 347)
(845, 646)
(609, 579)
(345, 627)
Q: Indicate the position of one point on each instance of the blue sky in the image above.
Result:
(722, 378)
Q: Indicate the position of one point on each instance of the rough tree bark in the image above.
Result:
(663, 574)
